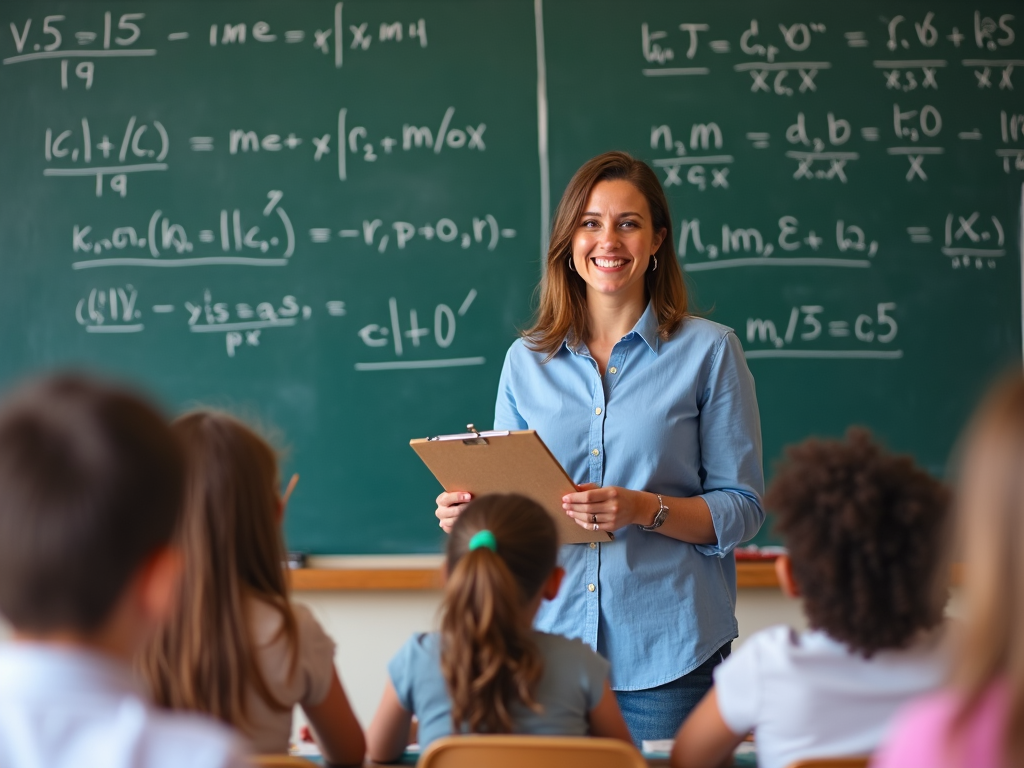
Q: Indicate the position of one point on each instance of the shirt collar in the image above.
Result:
(646, 328)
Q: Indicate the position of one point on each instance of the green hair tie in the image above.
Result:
(483, 538)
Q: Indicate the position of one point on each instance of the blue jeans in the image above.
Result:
(657, 713)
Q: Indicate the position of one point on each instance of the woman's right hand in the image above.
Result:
(449, 507)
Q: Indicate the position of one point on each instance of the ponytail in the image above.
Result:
(501, 551)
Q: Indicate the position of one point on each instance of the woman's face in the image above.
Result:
(615, 239)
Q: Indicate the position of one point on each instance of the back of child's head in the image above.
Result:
(866, 532)
(990, 530)
(206, 659)
(90, 487)
(501, 552)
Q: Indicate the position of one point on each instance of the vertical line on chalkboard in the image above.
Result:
(224, 242)
(396, 330)
(86, 140)
(339, 49)
(342, 173)
(106, 30)
(236, 221)
(542, 132)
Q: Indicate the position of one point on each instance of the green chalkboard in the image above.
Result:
(329, 217)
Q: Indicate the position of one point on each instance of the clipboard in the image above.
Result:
(505, 462)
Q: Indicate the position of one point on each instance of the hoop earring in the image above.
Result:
(571, 267)
(655, 257)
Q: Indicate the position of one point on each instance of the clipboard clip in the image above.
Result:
(471, 436)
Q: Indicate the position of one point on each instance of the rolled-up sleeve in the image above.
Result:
(506, 415)
(730, 440)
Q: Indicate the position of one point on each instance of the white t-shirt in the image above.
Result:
(68, 708)
(269, 729)
(807, 695)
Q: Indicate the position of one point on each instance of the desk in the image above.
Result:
(749, 575)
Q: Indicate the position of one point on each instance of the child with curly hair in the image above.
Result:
(865, 532)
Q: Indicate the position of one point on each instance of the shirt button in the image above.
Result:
(596, 452)
(613, 369)
(597, 411)
(593, 545)
(591, 587)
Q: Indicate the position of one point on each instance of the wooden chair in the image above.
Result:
(280, 761)
(534, 751)
(832, 762)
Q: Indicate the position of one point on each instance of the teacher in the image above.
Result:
(653, 411)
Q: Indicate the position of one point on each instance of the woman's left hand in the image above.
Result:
(608, 508)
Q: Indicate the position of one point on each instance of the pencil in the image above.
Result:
(291, 487)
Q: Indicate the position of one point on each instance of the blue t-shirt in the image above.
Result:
(572, 684)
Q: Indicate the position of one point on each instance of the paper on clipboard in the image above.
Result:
(505, 462)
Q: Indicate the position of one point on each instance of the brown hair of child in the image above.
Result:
(206, 659)
(488, 656)
(90, 487)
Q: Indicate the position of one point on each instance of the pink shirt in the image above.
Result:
(919, 736)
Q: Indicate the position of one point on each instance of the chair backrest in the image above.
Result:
(832, 762)
(280, 761)
(534, 751)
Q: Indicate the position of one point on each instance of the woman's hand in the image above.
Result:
(449, 507)
(610, 508)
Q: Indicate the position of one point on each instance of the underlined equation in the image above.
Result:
(483, 231)
(418, 339)
(242, 323)
(691, 49)
(697, 157)
(91, 35)
(77, 43)
(839, 244)
(811, 331)
(103, 149)
(969, 239)
(350, 142)
(118, 310)
(239, 237)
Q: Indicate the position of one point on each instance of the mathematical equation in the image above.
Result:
(769, 50)
(805, 333)
(230, 242)
(704, 161)
(116, 310)
(107, 35)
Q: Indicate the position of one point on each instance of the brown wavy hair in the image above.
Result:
(562, 311)
(990, 512)
(488, 656)
(866, 532)
(205, 659)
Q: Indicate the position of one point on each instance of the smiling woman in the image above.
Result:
(653, 412)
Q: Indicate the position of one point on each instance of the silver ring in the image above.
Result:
(595, 526)
(593, 518)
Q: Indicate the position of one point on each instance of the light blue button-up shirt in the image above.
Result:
(676, 417)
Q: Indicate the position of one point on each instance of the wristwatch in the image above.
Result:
(659, 517)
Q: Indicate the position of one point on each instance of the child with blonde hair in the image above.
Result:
(978, 722)
(487, 670)
(238, 648)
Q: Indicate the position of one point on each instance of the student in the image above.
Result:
(239, 649)
(487, 670)
(865, 531)
(979, 721)
(90, 488)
